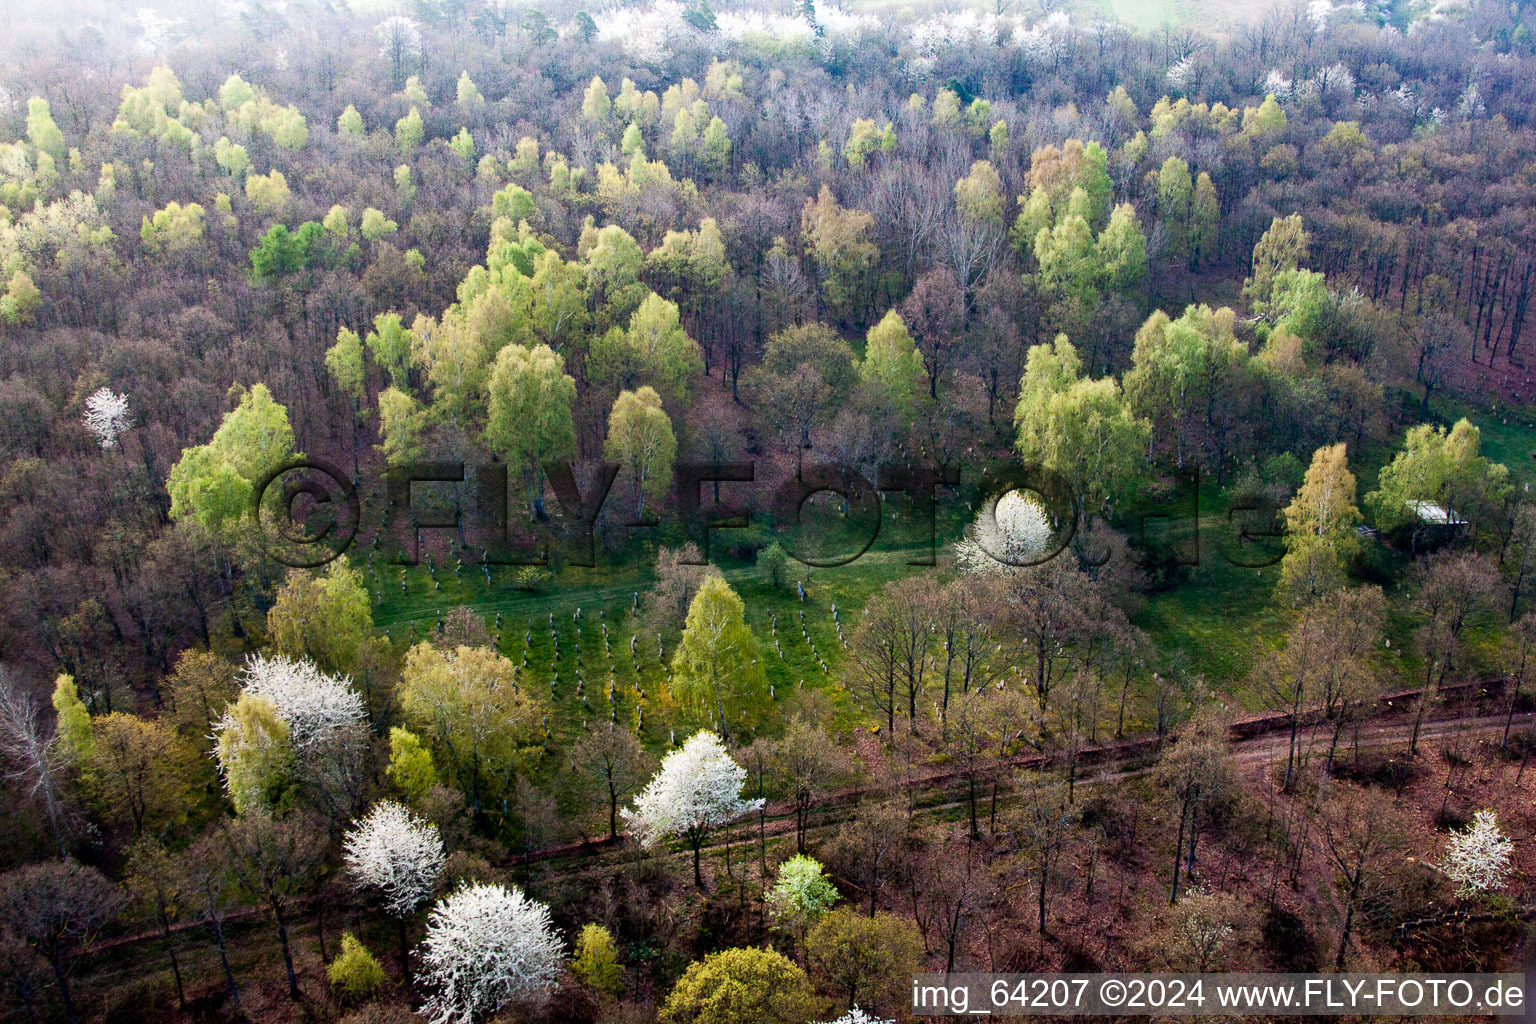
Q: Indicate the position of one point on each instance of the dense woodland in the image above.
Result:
(1279, 269)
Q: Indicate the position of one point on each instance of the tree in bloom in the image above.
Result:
(486, 946)
(801, 895)
(290, 715)
(697, 789)
(106, 416)
(1012, 531)
(858, 1016)
(312, 703)
(397, 855)
(1477, 859)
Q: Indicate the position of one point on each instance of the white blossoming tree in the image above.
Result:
(1010, 531)
(313, 704)
(1477, 859)
(858, 1016)
(290, 714)
(397, 856)
(486, 946)
(697, 789)
(106, 416)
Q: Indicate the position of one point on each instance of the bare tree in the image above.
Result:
(59, 907)
(807, 760)
(33, 755)
(871, 847)
(1041, 825)
(612, 759)
(1360, 837)
(1197, 772)
(274, 861)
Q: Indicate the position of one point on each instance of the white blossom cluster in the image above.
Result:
(1011, 529)
(1178, 75)
(311, 703)
(486, 945)
(106, 416)
(1044, 38)
(698, 786)
(858, 1016)
(954, 29)
(749, 25)
(1477, 859)
(649, 34)
(396, 854)
(1278, 85)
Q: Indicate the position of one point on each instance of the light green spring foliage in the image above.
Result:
(267, 192)
(801, 894)
(337, 221)
(1183, 369)
(979, 195)
(175, 228)
(214, 482)
(717, 672)
(892, 369)
(741, 986)
(641, 440)
(1445, 467)
(595, 103)
(467, 94)
(1204, 220)
(864, 140)
(251, 109)
(322, 616)
(1320, 522)
(596, 961)
(530, 420)
(997, 139)
(405, 185)
(773, 560)
(1175, 190)
(21, 300)
(463, 145)
(375, 225)
(409, 131)
(1080, 428)
(355, 972)
(513, 203)
(414, 92)
(410, 765)
(254, 754)
(350, 123)
(402, 423)
(231, 157)
(1282, 248)
(73, 720)
(465, 703)
(344, 360)
(42, 132)
(655, 350)
(390, 343)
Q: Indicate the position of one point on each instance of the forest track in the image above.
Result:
(1254, 740)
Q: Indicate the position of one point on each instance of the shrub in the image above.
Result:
(355, 973)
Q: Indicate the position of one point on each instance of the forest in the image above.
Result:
(418, 417)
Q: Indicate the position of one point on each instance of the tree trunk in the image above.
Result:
(282, 940)
(63, 979)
